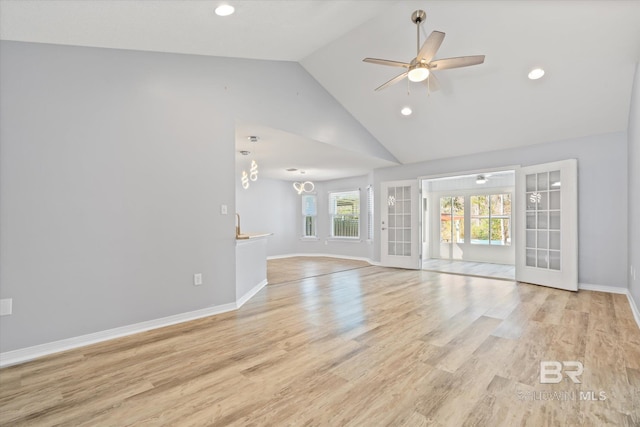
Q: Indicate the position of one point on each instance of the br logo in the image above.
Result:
(551, 371)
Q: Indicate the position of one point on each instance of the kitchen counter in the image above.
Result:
(246, 236)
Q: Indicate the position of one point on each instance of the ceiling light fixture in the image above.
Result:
(304, 187)
(225, 10)
(481, 179)
(536, 73)
(419, 73)
(406, 111)
(253, 172)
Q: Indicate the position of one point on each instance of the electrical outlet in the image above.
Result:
(6, 306)
(223, 209)
(197, 279)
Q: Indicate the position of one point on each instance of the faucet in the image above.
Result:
(237, 224)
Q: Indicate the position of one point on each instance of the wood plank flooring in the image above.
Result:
(484, 269)
(352, 345)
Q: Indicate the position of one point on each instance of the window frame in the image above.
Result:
(313, 217)
(333, 195)
(490, 216)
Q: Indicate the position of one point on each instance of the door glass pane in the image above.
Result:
(543, 259)
(531, 257)
(543, 222)
(531, 239)
(554, 220)
(554, 260)
(531, 220)
(543, 239)
(554, 240)
(554, 200)
(543, 181)
(531, 182)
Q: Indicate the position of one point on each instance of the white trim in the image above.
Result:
(601, 288)
(469, 172)
(21, 355)
(246, 297)
(634, 308)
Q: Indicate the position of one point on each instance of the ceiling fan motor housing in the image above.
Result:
(418, 16)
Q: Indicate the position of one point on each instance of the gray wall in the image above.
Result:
(268, 206)
(113, 168)
(602, 187)
(355, 248)
(634, 188)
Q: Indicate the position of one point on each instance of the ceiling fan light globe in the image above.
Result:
(418, 74)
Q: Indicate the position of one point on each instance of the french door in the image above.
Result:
(399, 215)
(547, 224)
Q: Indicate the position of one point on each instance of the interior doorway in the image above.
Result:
(468, 223)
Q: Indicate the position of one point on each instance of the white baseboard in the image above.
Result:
(600, 288)
(22, 355)
(615, 290)
(354, 258)
(634, 308)
(246, 297)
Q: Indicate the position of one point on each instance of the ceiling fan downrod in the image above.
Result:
(417, 17)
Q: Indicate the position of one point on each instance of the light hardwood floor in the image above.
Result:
(365, 346)
(483, 269)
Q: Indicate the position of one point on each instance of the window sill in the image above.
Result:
(345, 239)
(309, 239)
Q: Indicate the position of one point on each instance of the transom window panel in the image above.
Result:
(452, 219)
(491, 219)
(309, 215)
(344, 212)
(543, 220)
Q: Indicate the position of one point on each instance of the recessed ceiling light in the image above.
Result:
(481, 179)
(406, 111)
(253, 138)
(291, 169)
(536, 73)
(245, 152)
(225, 10)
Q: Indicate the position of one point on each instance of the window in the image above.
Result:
(491, 219)
(344, 213)
(452, 219)
(309, 215)
(370, 212)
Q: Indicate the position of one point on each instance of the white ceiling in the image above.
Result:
(276, 150)
(588, 48)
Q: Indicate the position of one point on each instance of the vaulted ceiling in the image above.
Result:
(588, 49)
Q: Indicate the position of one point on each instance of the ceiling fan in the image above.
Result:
(420, 68)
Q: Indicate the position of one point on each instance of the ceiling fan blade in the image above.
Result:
(430, 46)
(461, 61)
(432, 82)
(396, 79)
(386, 62)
